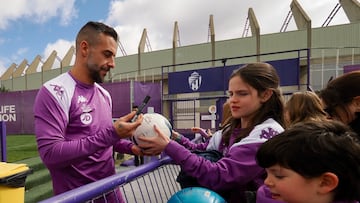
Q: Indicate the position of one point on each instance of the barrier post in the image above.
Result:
(3, 141)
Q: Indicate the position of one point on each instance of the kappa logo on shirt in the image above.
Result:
(81, 99)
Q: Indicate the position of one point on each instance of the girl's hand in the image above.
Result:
(201, 131)
(154, 145)
(136, 150)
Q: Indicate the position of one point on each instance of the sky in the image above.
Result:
(37, 27)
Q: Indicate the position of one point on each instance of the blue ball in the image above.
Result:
(196, 195)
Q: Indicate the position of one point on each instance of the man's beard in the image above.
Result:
(95, 73)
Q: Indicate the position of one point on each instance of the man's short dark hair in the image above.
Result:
(90, 31)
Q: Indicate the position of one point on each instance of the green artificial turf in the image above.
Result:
(19, 147)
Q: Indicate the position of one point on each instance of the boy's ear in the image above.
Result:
(328, 182)
(266, 95)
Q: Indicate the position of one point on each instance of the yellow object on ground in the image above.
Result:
(12, 182)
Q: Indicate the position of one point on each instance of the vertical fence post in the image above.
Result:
(3, 140)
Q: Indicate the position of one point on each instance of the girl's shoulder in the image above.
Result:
(261, 133)
(269, 123)
(215, 141)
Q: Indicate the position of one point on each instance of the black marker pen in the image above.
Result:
(141, 107)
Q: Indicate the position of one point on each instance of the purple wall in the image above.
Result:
(350, 68)
(120, 94)
(151, 89)
(16, 108)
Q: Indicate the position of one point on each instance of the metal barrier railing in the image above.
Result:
(151, 182)
(3, 156)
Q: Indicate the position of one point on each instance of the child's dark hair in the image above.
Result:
(313, 148)
(340, 92)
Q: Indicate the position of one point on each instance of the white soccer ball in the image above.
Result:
(147, 127)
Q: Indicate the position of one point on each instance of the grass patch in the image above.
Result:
(20, 147)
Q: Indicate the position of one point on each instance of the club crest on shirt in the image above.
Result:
(268, 133)
(85, 117)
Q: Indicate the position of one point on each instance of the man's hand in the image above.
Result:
(124, 128)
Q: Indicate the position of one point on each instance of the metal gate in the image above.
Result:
(200, 112)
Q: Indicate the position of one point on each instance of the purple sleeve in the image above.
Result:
(50, 128)
(234, 170)
(191, 145)
(123, 146)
